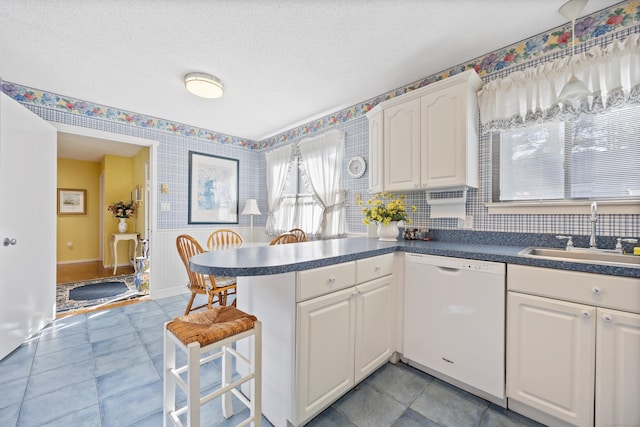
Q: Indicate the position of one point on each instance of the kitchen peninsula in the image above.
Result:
(315, 300)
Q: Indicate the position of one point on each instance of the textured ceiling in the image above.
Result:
(283, 62)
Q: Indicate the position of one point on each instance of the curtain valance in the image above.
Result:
(528, 97)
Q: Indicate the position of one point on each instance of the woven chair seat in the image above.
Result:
(209, 326)
(221, 282)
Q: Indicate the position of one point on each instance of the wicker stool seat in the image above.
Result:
(205, 332)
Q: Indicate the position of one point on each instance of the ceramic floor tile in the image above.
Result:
(63, 327)
(64, 401)
(12, 392)
(9, 415)
(366, 406)
(401, 382)
(496, 416)
(106, 333)
(61, 358)
(51, 380)
(134, 406)
(110, 362)
(116, 344)
(18, 364)
(105, 319)
(449, 406)
(130, 377)
(330, 418)
(87, 417)
(411, 418)
(60, 343)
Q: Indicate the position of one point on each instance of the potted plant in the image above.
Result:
(386, 210)
(123, 210)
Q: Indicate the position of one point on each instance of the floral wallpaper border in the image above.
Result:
(618, 17)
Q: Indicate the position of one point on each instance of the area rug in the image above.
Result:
(90, 293)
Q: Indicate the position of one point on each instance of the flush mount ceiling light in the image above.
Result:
(203, 85)
(574, 89)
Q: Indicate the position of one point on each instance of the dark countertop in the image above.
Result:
(263, 260)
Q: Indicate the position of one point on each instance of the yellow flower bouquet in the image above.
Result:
(384, 208)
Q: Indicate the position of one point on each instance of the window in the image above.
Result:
(594, 156)
(297, 208)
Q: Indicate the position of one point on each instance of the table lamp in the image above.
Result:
(251, 208)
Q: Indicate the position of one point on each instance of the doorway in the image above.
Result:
(91, 145)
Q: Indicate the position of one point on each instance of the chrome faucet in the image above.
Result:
(593, 244)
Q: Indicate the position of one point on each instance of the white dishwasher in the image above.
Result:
(454, 322)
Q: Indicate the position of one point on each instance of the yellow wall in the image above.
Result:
(118, 184)
(81, 230)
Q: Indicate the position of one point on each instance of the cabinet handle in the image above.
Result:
(332, 280)
(586, 314)
(607, 317)
(377, 268)
(596, 290)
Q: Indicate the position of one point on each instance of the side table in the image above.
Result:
(117, 237)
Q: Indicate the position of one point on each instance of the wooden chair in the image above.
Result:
(284, 238)
(217, 289)
(224, 239)
(300, 234)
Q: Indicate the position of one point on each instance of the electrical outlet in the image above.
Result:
(466, 223)
(70, 245)
(165, 207)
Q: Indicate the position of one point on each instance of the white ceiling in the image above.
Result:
(283, 62)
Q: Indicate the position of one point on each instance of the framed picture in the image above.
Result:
(213, 189)
(72, 202)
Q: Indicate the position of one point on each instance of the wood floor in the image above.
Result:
(69, 273)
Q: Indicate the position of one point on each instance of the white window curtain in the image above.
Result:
(278, 163)
(321, 163)
(529, 97)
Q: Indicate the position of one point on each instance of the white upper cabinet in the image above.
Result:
(401, 146)
(429, 137)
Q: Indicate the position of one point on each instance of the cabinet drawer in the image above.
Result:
(322, 280)
(372, 268)
(621, 293)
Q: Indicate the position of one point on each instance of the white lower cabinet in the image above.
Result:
(550, 363)
(573, 363)
(342, 337)
(617, 369)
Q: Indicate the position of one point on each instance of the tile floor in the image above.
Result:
(105, 369)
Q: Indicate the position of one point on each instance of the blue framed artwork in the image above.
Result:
(213, 189)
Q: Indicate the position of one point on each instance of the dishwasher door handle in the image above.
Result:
(448, 269)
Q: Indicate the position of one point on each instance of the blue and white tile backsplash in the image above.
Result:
(176, 139)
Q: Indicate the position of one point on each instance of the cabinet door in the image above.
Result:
(550, 357)
(325, 342)
(618, 368)
(443, 148)
(375, 153)
(402, 146)
(374, 326)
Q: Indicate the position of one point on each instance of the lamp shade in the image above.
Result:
(574, 90)
(251, 208)
(203, 85)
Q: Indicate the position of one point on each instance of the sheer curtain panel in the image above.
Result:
(278, 163)
(321, 160)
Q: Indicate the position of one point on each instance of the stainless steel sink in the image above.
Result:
(593, 256)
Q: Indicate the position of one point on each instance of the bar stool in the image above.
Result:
(202, 332)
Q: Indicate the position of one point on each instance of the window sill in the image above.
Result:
(564, 207)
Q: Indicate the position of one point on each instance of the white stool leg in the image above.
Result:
(169, 389)
(256, 368)
(193, 384)
(227, 406)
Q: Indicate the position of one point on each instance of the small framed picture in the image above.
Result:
(72, 202)
(213, 189)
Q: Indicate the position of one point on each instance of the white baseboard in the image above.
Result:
(78, 261)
